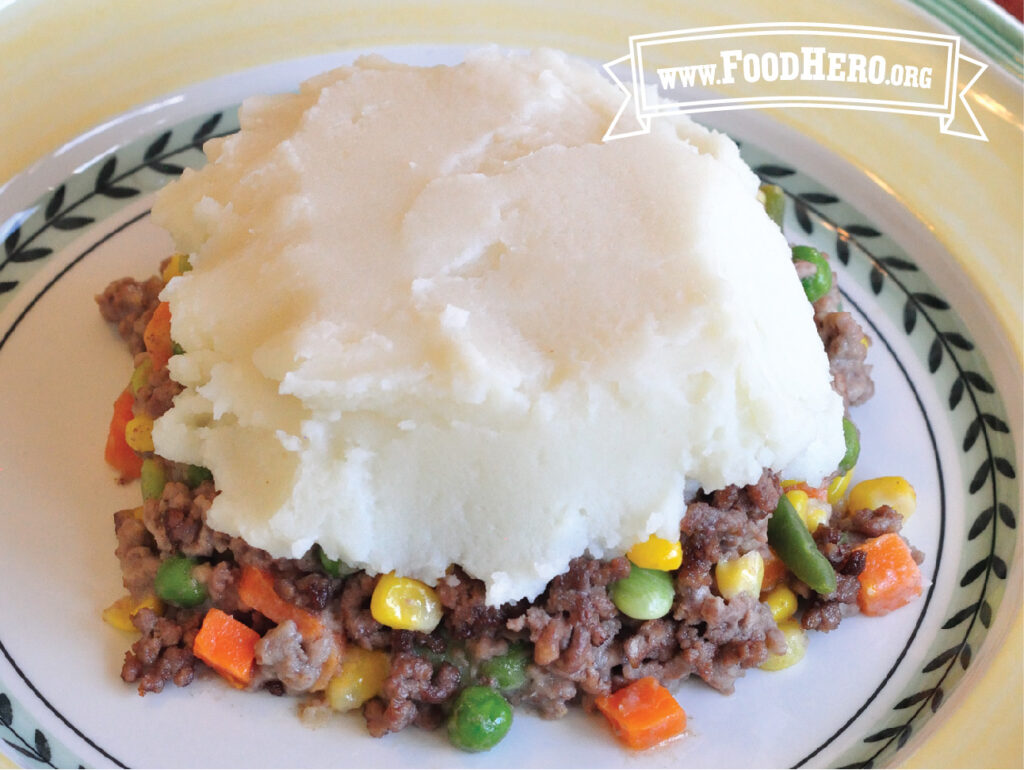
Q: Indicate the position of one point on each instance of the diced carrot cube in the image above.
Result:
(775, 572)
(643, 713)
(157, 335)
(818, 493)
(256, 589)
(891, 577)
(117, 452)
(227, 646)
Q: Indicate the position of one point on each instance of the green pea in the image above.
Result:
(153, 479)
(644, 594)
(196, 475)
(176, 584)
(852, 438)
(774, 201)
(140, 376)
(788, 536)
(336, 568)
(817, 284)
(506, 672)
(479, 720)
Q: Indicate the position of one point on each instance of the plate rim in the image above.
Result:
(988, 27)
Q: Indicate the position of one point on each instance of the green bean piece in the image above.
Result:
(852, 437)
(331, 566)
(153, 479)
(140, 376)
(176, 584)
(176, 349)
(196, 475)
(479, 720)
(774, 201)
(817, 284)
(788, 536)
(644, 594)
(506, 672)
(336, 568)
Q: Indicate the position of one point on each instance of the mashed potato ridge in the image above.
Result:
(433, 319)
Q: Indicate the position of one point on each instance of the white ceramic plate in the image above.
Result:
(939, 419)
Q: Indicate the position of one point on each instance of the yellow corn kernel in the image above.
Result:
(865, 342)
(796, 646)
(149, 602)
(360, 678)
(811, 512)
(404, 603)
(837, 487)
(894, 491)
(781, 601)
(119, 614)
(744, 574)
(817, 513)
(176, 265)
(790, 483)
(139, 433)
(799, 499)
(657, 553)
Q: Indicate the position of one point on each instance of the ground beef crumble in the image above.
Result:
(164, 651)
(129, 304)
(294, 663)
(412, 692)
(845, 343)
(157, 393)
(574, 623)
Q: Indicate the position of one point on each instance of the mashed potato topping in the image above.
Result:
(433, 319)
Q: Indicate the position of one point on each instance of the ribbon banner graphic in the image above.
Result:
(773, 65)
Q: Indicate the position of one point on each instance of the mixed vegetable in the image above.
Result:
(480, 719)
(643, 713)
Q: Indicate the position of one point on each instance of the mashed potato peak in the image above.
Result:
(433, 319)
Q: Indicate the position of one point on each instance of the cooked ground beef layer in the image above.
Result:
(582, 646)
